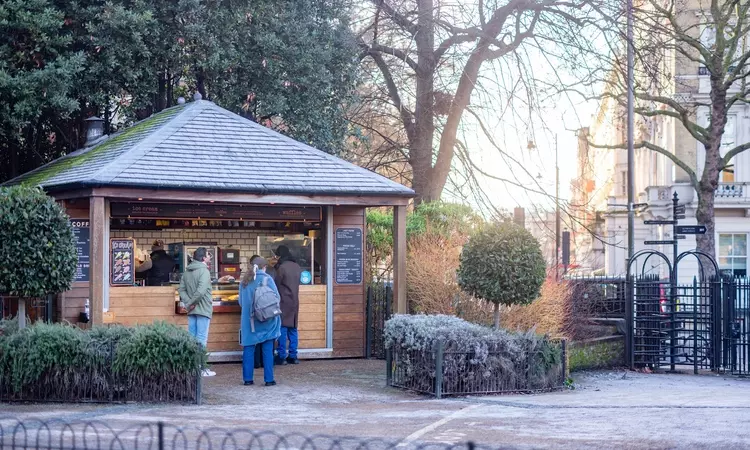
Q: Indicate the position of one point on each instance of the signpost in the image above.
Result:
(691, 229)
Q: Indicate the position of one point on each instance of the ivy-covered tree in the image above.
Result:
(503, 264)
(37, 247)
(290, 65)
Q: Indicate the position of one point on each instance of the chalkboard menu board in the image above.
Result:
(83, 248)
(122, 262)
(349, 256)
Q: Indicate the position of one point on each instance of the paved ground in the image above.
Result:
(348, 398)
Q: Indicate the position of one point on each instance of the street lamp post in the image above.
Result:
(630, 137)
(557, 214)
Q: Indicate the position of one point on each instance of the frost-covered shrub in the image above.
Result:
(476, 358)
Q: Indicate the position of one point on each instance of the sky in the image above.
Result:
(559, 119)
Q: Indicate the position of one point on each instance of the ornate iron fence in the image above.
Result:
(60, 434)
(440, 372)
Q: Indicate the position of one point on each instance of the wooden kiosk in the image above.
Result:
(199, 175)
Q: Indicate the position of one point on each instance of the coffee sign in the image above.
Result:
(81, 231)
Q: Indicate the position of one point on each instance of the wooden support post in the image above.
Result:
(399, 259)
(99, 244)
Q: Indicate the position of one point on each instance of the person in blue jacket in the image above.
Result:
(265, 332)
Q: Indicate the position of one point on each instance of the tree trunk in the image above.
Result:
(497, 316)
(706, 243)
(421, 148)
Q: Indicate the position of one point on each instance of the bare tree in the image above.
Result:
(691, 71)
(429, 55)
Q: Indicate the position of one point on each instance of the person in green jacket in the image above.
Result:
(195, 292)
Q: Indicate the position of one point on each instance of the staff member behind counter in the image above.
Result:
(158, 267)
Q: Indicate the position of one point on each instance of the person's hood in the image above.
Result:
(196, 265)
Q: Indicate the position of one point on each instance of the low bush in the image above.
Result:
(61, 362)
(476, 358)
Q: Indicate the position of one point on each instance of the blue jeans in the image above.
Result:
(248, 361)
(291, 335)
(198, 327)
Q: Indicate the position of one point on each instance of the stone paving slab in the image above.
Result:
(617, 409)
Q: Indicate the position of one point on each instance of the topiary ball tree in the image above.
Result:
(503, 264)
(37, 247)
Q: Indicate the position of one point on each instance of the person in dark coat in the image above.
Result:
(159, 267)
(287, 280)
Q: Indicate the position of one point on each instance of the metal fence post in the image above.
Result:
(388, 366)
(199, 388)
(368, 323)
(629, 307)
(695, 326)
(564, 361)
(439, 353)
(160, 426)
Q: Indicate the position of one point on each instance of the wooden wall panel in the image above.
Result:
(71, 304)
(348, 300)
(144, 305)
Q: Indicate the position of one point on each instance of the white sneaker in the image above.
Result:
(208, 373)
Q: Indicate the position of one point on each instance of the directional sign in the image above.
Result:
(691, 229)
(660, 242)
(679, 209)
(659, 222)
(679, 216)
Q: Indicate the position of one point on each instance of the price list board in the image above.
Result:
(81, 231)
(349, 256)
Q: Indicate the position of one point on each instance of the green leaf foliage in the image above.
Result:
(37, 247)
(287, 64)
(157, 349)
(503, 264)
(62, 360)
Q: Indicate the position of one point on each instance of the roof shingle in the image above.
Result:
(201, 146)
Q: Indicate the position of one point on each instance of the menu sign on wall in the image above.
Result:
(82, 235)
(349, 255)
(122, 261)
(142, 210)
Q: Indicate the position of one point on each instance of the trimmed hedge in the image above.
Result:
(477, 359)
(37, 247)
(58, 362)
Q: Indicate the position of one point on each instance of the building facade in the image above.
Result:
(600, 189)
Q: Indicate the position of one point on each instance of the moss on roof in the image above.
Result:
(137, 131)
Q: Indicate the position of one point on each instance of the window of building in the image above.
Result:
(728, 142)
(623, 183)
(733, 254)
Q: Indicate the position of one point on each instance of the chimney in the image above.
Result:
(94, 129)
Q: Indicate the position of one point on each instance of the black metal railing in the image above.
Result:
(602, 297)
(379, 304)
(701, 325)
(439, 372)
(60, 434)
(735, 326)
